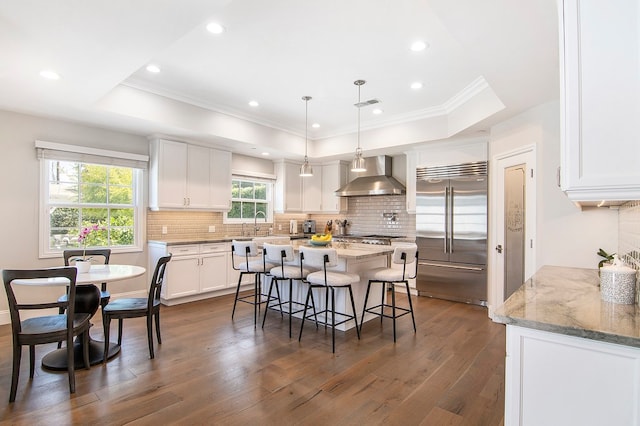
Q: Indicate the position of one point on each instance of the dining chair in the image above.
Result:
(137, 307)
(259, 268)
(404, 255)
(288, 269)
(43, 329)
(329, 281)
(69, 257)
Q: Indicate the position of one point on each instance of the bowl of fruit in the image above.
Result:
(320, 239)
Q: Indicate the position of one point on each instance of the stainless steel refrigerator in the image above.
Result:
(451, 232)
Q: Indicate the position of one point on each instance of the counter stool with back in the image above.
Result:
(288, 270)
(329, 281)
(259, 268)
(404, 255)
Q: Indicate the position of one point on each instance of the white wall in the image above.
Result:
(20, 174)
(566, 235)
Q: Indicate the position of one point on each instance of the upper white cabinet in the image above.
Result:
(412, 163)
(312, 191)
(288, 197)
(334, 176)
(220, 179)
(184, 176)
(600, 79)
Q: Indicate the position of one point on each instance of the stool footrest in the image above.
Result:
(295, 306)
(327, 320)
(403, 311)
(250, 299)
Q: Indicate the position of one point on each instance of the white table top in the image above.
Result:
(97, 274)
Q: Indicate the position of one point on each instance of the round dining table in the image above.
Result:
(87, 301)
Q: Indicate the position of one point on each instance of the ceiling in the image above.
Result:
(486, 61)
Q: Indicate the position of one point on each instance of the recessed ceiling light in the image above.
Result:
(377, 111)
(266, 154)
(215, 28)
(416, 85)
(153, 68)
(315, 125)
(418, 46)
(254, 103)
(49, 75)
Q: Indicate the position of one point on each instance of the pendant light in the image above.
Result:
(306, 169)
(357, 165)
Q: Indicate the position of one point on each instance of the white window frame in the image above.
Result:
(270, 188)
(51, 151)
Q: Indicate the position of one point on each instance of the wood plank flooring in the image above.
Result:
(212, 370)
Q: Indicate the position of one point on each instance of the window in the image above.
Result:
(249, 197)
(78, 194)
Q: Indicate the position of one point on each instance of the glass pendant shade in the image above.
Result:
(306, 169)
(358, 165)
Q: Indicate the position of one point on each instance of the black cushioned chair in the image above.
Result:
(45, 328)
(148, 307)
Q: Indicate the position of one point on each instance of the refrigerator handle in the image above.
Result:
(451, 197)
(446, 220)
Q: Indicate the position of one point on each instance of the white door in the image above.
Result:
(519, 167)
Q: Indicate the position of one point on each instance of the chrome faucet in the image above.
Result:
(255, 222)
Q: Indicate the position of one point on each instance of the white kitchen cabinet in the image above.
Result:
(565, 380)
(312, 191)
(600, 94)
(412, 162)
(184, 176)
(288, 188)
(334, 176)
(220, 179)
(196, 271)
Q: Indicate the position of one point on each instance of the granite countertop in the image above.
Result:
(345, 250)
(224, 239)
(567, 301)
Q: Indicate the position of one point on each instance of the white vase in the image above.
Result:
(83, 266)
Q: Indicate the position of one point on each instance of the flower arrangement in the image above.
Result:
(83, 237)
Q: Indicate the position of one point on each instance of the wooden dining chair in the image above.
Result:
(69, 258)
(103, 254)
(45, 328)
(148, 307)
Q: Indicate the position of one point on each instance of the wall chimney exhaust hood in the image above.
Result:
(377, 180)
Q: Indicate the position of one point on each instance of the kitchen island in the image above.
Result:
(202, 269)
(354, 258)
(571, 358)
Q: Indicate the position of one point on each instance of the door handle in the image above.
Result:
(499, 248)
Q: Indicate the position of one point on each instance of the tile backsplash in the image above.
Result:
(379, 214)
(629, 233)
(382, 214)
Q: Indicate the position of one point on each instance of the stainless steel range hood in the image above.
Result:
(377, 180)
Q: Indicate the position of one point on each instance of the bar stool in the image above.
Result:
(258, 268)
(402, 255)
(287, 270)
(323, 258)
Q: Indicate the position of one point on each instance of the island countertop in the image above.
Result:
(353, 251)
(567, 301)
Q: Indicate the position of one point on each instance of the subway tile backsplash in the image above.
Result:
(629, 233)
(379, 214)
(382, 214)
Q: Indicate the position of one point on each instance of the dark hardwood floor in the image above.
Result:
(212, 370)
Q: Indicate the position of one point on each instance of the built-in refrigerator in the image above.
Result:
(451, 232)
